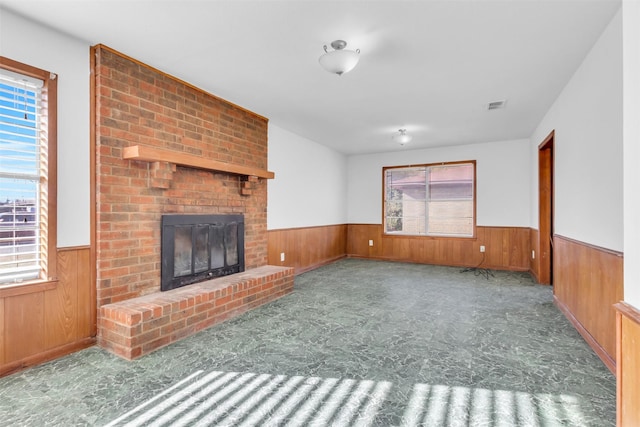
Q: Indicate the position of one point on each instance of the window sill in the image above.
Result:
(429, 236)
(33, 287)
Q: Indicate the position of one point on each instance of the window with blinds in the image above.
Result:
(23, 147)
(430, 200)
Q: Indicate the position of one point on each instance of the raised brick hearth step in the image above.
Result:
(137, 326)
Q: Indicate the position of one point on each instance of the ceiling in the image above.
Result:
(428, 66)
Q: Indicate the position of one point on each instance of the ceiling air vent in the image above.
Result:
(496, 105)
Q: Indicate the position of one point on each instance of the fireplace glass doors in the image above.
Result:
(200, 247)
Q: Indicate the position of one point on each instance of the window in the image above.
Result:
(27, 173)
(430, 200)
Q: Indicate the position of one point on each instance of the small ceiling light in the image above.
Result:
(339, 60)
(402, 137)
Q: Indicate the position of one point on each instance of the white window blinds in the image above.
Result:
(22, 142)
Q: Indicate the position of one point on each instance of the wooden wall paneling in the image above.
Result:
(299, 239)
(606, 282)
(416, 249)
(274, 244)
(61, 303)
(85, 302)
(288, 243)
(519, 247)
(323, 249)
(469, 251)
(335, 241)
(395, 248)
(325, 237)
(307, 247)
(2, 340)
(561, 259)
(373, 232)
(340, 241)
(431, 250)
(507, 248)
(387, 247)
(628, 366)
(494, 255)
(40, 325)
(446, 253)
(460, 250)
(358, 236)
(509, 239)
(582, 288)
(630, 390)
(588, 281)
(476, 257)
(24, 326)
(534, 263)
(301, 248)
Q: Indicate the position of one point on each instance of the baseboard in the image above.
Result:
(413, 261)
(590, 340)
(534, 275)
(19, 365)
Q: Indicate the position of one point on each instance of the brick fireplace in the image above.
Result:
(138, 106)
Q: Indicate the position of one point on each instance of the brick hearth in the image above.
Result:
(137, 326)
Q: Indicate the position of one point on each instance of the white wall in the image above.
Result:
(310, 184)
(36, 45)
(631, 79)
(587, 118)
(502, 173)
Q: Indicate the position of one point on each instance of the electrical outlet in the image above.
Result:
(533, 254)
(482, 248)
(370, 242)
(281, 256)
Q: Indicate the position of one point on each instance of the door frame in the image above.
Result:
(546, 208)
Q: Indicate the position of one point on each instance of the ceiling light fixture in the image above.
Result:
(402, 137)
(339, 60)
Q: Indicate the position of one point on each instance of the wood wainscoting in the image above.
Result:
(534, 261)
(587, 282)
(628, 366)
(506, 248)
(307, 248)
(39, 324)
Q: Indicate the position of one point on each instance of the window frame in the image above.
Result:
(48, 271)
(429, 236)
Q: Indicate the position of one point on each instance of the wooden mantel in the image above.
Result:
(151, 154)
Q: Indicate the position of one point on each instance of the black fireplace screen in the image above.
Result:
(200, 247)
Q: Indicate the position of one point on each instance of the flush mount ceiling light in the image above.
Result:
(402, 137)
(339, 60)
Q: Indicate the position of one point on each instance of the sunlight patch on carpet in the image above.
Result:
(252, 399)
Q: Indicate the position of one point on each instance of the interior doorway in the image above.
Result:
(545, 207)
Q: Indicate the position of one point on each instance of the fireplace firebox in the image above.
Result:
(195, 248)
